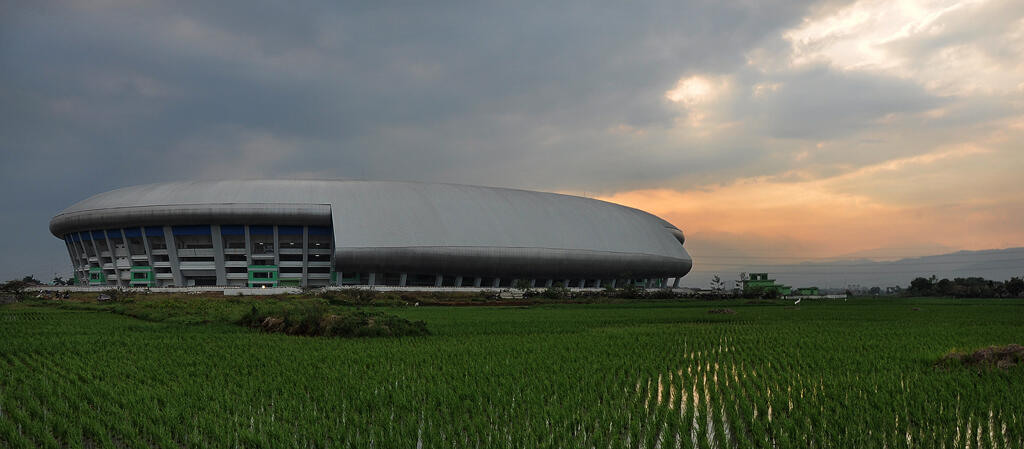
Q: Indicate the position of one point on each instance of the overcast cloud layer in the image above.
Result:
(770, 127)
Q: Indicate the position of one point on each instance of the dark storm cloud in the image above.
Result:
(808, 105)
(101, 95)
(98, 95)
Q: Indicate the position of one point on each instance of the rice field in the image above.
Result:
(646, 375)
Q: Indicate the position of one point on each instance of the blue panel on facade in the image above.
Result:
(154, 231)
(319, 230)
(98, 235)
(232, 230)
(114, 233)
(261, 230)
(83, 236)
(191, 230)
(289, 230)
(132, 232)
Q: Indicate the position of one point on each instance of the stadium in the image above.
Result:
(314, 233)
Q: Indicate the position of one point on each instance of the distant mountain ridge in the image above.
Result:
(996, 264)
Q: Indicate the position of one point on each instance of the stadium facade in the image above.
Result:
(339, 232)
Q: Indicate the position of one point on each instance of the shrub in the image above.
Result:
(521, 284)
(631, 291)
(312, 319)
(252, 318)
(557, 291)
(110, 294)
(312, 291)
(360, 295)
(331, 297)
(13, 290)
(661, 293)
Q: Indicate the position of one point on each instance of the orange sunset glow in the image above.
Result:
(912, 204)
(801, 132)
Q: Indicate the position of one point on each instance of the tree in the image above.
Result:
(716, 284)
(875, 291)
(944, 287)
(31, 280)
(739, 283)
(1015, 286)
(57, 280)
(14, 287)
(920, 286)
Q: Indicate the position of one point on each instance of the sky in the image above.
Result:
(770, 129)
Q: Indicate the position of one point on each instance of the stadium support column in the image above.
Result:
(438, 280)
(496, 283)
(372, 279)
(477, 281)
(248, 249)
(149, 251)
(74, 261)
(583, 283)
(218, 254)
(277, 250)
(172, 254)
(676, 283)
(305, 256)
(549, 283)
(533, 283)
(402, 279)
(113, 259)
(458, 281)
(337, 274)
(613, 283)
(127, 249)
(95, 250)
(87, 266)
(83, 255)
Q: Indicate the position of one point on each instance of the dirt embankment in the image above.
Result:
(1003, 357)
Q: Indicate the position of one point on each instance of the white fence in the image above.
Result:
(843, 296)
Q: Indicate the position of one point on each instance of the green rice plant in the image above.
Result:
(859, 374)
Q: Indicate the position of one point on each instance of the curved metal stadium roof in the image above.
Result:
(386, 222)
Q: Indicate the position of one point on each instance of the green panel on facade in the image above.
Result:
(97, 276)
(263, 275)
(142, 277)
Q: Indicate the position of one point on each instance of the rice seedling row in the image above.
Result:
(661, 375)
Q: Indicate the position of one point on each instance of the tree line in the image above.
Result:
(969, 287)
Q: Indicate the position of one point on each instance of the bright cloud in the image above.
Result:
(694, 90)
(824, 125)
(951, 47)
(700, 95)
